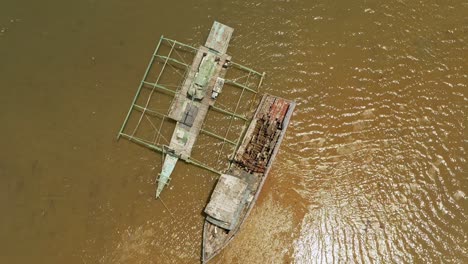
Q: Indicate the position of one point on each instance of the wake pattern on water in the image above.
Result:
(376, 149)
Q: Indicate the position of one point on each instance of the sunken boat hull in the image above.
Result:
(237, 190)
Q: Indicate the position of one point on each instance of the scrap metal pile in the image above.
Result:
(264, 137)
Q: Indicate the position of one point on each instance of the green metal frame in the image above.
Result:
(246, 69)
(145, 75)
(143, 109)
(246, 121)
(139, 88)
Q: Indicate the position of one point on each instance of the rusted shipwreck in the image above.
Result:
(237, 190)
(253, 150)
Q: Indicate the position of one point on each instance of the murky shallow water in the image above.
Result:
(373, 168)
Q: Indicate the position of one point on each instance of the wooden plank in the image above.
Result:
(185, 135)
(219, 37)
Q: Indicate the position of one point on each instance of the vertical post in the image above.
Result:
(261, 82)
(258, 89)
(139, 88)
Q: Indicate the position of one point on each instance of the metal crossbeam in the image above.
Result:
(141, 86)
(199, 164)
(171, 59)
(217, 136)
(261, 81)
(159, 131)
(228, 112)
(155, 85)
(142, 142)
(231, 119)
(240, 85)
(180, 44)
(245, 68)
(149, 111)
(174, 63)
(156, 148)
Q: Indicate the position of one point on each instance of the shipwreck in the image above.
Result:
(203, 84)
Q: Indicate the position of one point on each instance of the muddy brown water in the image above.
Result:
(372, 170)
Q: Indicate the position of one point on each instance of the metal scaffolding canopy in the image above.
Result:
(187, 112)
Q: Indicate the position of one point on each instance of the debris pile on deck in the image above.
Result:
(237, 190)
(265, 135)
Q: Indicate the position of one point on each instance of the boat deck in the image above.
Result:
(252, 163)
(183, 104)
(190, 113)
(192, 101)
(219, 37)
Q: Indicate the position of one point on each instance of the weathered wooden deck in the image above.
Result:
(219, 37)
(182, 102)
(251, 165)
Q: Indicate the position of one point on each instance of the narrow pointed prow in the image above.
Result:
(165, 175)
(158, 192)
